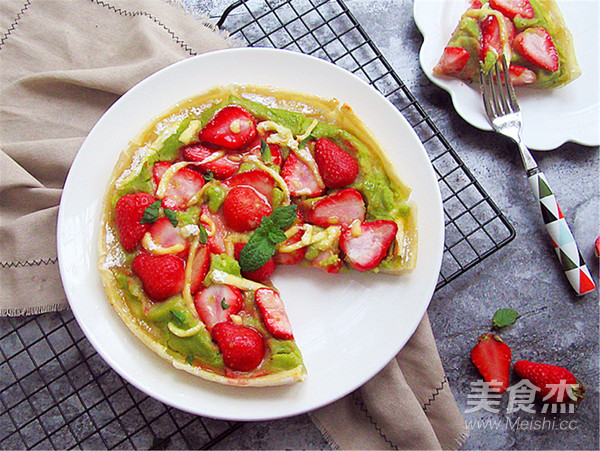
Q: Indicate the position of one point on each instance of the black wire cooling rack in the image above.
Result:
(57, 392)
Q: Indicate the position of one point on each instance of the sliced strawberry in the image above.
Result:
(476, 4)
(262, 274)
(232, 127)
(214, 222)
(452, 62)
(162, 276)
(339, 208)
(165, 236)
(244, 207)
(275, 149)
(200, 266)
(128, 214)
(337, 168)
(521, 75)
(216, 303)
(490, 37)
(221, 168)
(492, 358)
(536, 46)
(365, 248)
(243, 348)
(159, 170)
(260, 180)
(290, 258)
(182, 186)
(329, 261)
(273, 313)
(512, 8)
(299, 178)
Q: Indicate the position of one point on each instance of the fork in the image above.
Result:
(504, 114)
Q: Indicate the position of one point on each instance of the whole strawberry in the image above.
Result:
(556, 383)
(492, 358)
(243, 348)
(337, 168)
(128, 214)
(162, 276)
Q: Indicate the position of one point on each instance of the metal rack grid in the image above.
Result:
(56, 391)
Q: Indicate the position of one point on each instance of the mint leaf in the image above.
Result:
(172, 217)
(505, 317)
(282, 217)
(256, 252)
(151, 213)
(265, 151)
(178, 316)
(276, 236)
(302, 144)
(203, 234)
(208, 175)
(224, 305)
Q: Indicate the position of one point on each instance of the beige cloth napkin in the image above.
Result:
(62, 64)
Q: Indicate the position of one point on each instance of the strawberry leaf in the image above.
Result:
(505, 317)
(302, 144)
(172, 217)
(151, 213)
(178, 316)
(208, 175)
(224, 304)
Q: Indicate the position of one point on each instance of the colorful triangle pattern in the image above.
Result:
(566, 248)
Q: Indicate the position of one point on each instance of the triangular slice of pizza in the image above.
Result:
(212, 196)
(531, 33)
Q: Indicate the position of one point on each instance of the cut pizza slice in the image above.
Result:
(531, 33)
(214, 195)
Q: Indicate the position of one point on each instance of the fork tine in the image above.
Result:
(499, 90)
(487, 95)
(512, 98)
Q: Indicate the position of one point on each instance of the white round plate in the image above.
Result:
(348, 326)
(551, 117)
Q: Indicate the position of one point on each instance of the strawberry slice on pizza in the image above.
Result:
(220, 192)
(532, 34)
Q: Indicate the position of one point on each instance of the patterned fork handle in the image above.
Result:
(564, 243)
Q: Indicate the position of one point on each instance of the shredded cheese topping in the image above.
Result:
(286, 191)
(185, 332)
(188, 135)
(149, 244)
(218, 276)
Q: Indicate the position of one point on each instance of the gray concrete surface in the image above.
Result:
(556, 326)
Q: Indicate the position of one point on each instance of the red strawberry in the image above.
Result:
(521, 75)
(232, 127)
(243, 348)
(221, 168)
(327, 262)
(299, 178)
(159, 170)
(290, 258)
(490, 37)
(511, 8)
(337, 167)
(182, 186)
(564, 387)
(452, 62)
(215, 221)
(262, 274)
(200, 266)
(216, 303)
(476, 4)
(365, 251)
(244, 207)
(128, 213)
(162, 276)
(339, 208)
(261, 181)
(164, 235)
(492, 357)
(273, 313)
(597, 247)
(537, 47)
